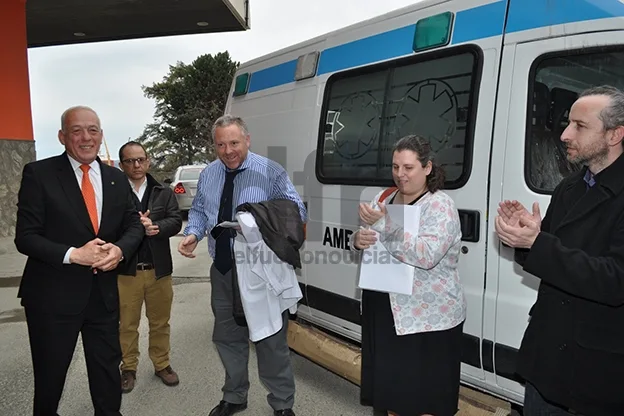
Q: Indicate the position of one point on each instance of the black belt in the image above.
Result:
(145, 266)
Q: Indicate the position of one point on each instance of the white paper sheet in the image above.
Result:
(382, 272)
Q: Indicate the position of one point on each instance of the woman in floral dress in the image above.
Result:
(411, 345)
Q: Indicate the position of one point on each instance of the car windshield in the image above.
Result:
(190, 174)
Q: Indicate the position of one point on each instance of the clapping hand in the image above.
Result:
(515, 226)
(364, 239)
(511, 211)
(369, 215)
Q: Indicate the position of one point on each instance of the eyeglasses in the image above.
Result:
(131, 162)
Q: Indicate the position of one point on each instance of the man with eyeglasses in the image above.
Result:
(147, 276)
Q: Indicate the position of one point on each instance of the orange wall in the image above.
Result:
(15, 113)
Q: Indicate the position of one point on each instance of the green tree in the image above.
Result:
(188, 101)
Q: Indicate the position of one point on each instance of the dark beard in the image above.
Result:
(594, 154)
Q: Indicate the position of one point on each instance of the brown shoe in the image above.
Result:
(128, 378)
(168, 376)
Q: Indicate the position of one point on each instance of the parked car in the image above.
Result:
(184, 184)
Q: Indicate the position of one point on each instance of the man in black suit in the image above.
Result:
(572, 353)
(76, 221)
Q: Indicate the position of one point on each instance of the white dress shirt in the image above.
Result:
(141, 190)
(95, 175)
(268, 285)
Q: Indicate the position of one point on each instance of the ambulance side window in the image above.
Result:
(555, 81)
(366, 110)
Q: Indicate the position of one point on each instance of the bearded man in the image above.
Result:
(572, 353)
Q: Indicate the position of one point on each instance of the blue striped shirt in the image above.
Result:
(262, 180)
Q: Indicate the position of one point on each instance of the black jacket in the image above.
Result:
(573, 348)
(281, 227)
(165, 213)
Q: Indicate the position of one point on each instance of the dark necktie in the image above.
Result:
(589, 182)
(223, 255)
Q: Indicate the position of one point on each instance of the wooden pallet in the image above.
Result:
(476, 403)
(345, 360)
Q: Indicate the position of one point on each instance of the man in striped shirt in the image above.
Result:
(239, 176)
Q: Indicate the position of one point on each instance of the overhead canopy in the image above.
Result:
(61, 22)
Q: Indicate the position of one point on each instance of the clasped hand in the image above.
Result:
(97, 254)
(515, 226)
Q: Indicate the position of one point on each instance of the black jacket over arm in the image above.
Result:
(52, 217)
(281, 227)
(573, 349)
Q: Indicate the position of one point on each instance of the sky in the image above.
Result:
(108, 76)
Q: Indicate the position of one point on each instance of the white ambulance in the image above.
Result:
(490, 83)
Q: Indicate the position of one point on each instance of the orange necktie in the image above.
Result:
(88, 193)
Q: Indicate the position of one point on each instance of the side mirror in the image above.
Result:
(168, 181)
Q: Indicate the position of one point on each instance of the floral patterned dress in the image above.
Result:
(411, 345)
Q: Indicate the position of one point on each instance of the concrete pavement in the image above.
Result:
(193, 356)
(319, 392)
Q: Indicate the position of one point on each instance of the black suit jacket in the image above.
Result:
(573, 348)
(52, 217)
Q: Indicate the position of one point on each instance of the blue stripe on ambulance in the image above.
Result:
(471, 24)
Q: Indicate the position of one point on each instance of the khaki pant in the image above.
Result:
(158, 296)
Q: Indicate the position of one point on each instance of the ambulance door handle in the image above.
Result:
(470, 224)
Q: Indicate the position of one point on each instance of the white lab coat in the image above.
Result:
(268, 285)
